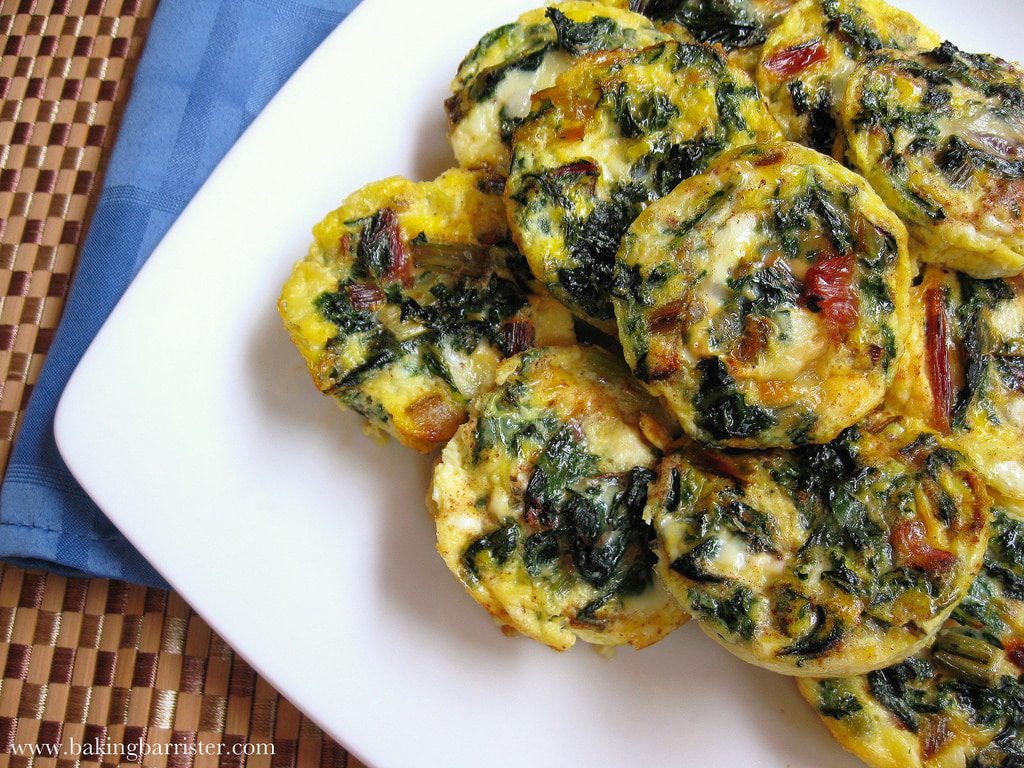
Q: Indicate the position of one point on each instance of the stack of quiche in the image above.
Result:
(720, 316)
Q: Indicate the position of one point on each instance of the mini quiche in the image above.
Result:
(739, 26)
(492, 89)
(539, 500)
(765, 299)
(830, 560)
(617, 131)
(964, 369)
(940, 136)
(410, 296)
(807, 61)
(958, 703)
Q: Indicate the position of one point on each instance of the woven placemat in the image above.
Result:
(108, 673)
(97, 672)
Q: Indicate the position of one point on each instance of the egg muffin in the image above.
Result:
(957, 703)
(739, 26)
(806, 62)
(617, 131)
(492, 89)
(964, 369)
(940, 136)
(539, 499)
(829, 560)
(765, 299)
(410, 296)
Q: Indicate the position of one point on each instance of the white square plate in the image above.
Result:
(192, 423)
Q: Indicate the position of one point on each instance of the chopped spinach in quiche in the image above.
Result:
(410, 296)
(539, 502)
(959, 702)
(940, 135)
(806, 62)
(765, 299)
(617, 131)
(832, 559)
(492, 90)
(739, 26)
(963, 370)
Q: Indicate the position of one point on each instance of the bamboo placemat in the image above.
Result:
(122, 674)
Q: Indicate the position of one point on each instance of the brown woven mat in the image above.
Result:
(107, 673)
(119, 673)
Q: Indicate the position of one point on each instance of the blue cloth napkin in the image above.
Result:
(208, 68)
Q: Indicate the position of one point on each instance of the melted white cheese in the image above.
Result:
(515, 91)
(786, 360)
(737, 236)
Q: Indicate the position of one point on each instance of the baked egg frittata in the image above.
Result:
(739, 26)
(940, 136)
(765, 299)
(410, 296)
(964, 369)
(492, 89)
(959, 702)
(829, 560)
(539, 500)
(618, 130)
(811, 438)
(807, 61)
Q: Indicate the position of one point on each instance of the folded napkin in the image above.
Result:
(208, 69)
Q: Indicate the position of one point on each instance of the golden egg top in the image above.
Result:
(538, 501)
(940, 136)
(963, 370)
(807, 61)
(739, 26)
(765, 299)
(829, 560)
(618, 130)
(959, 702)
(409, 297)
(492, 89)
